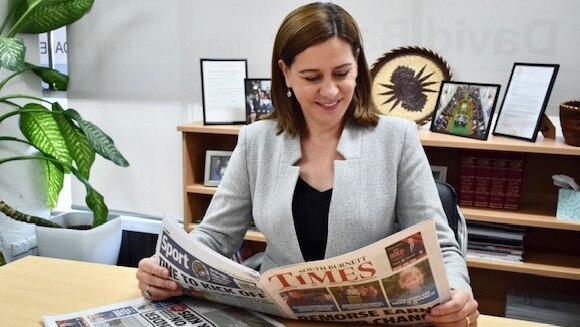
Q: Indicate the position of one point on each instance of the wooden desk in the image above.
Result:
(35, 286)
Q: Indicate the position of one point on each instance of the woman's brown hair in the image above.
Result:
(307, 26)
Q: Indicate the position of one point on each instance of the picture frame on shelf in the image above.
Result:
(258, 98)
(216, 163)
(525, 100)
(222, 88)
(439, 173)
(465, 109)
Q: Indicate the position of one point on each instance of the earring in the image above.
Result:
(289, 93)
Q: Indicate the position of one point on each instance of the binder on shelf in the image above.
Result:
(514, 179)
(498, 180)
(482, 179)
(467, 177)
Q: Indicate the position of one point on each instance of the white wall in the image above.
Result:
(134, 66)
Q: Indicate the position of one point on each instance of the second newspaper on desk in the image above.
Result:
(396, 280)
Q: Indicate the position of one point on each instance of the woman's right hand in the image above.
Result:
(154, 281)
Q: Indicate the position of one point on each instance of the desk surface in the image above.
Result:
(34, 286)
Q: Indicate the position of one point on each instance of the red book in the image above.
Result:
(499, 164)
(466, 178)
(514, 177)
(482, 179)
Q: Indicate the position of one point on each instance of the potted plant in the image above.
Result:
(62, 140)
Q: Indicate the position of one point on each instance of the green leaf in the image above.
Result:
(12, 52)
(55, 79)
(100, 141)
(78, 146)
(38, 16)
(40, 129)
(55, 182)
(95, 201)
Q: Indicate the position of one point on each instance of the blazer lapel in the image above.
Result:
(345, 194)
(288, 174)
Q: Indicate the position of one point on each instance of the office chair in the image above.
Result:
(452, 211)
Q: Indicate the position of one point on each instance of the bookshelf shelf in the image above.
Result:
(199, 127)
(542, 218)
(499, 143)
(200, 189)
(540, 264)
(545, 264)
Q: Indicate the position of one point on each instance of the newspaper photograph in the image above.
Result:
(395, 281)
(182, 311)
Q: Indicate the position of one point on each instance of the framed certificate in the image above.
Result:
(222, 85)
(525, 100)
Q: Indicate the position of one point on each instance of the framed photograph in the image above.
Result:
(525, 100)
(216, 163)
(465, 109)
(258, 98)
(439, 173)
(222, 90)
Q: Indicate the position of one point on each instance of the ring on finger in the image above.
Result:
(148, 293)
(467, 321)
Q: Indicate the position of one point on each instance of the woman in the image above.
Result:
(324, 174)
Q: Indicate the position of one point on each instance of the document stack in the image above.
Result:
(546, 307)
(495, 241)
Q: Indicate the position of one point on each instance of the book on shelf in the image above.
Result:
(556, 308)
(494, 248)
(467, 177)
(471, 253)
(514, 180)
(497, 244)
(499, 163)
(494, 233)
(482, 179)
(497, 226)
(491, 179)
(495, 241)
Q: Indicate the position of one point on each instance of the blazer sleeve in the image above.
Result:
(418, 199)
(228, 215)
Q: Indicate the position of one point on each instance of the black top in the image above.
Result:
(310, 211)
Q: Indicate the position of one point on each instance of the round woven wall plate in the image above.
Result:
(406, 82)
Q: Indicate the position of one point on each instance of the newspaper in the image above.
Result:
(173, 312)
(387, 282)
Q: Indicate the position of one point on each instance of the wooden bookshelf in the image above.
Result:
(499, 143)
(551, 250)
(542, 217)
(539, 264)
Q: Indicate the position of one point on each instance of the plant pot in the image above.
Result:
(100, 245)
(570, 121)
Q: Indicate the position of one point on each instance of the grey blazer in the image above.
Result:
(385, 174)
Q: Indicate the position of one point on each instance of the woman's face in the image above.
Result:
(323, 79)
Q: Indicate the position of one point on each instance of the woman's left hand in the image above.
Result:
(460, 311)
